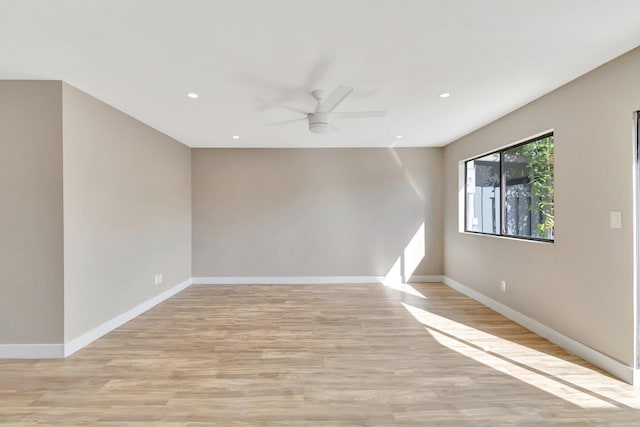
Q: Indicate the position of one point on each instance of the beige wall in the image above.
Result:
(581, 286)
(314, 212)
(127, 212)
(31, 263)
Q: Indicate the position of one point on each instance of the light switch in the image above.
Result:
(616, 219)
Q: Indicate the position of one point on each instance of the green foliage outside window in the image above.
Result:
(540, 167)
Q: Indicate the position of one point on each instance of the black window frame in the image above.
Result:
(503, 185)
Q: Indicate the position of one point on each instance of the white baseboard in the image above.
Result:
(425, 279)
(613, 366)
(304, 280)
(31, 351)
(92, 335)
(286, 280)
(636, 378)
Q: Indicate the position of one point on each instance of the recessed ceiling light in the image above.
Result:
(445, 95)
(192, 95)
(398, 136)
(235, 137)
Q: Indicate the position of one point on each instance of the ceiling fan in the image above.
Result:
(320, 119)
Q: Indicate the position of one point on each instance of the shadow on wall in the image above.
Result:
(407, 174)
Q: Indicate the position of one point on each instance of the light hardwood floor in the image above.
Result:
(324, 355)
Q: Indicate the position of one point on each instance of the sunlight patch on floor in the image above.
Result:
(406, 288)
(563, 379)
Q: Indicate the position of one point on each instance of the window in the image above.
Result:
(510, 192)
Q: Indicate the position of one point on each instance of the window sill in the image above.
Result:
(518, 239)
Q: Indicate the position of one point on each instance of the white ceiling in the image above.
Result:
(144, 56)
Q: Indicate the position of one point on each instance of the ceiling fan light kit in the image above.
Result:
(319, 122)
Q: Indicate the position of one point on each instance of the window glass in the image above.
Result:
(483, 194)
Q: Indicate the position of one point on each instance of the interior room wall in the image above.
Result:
(316, 212)
(127, 212)
(31, 225)
(582, 285)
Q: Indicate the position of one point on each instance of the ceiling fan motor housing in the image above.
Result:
(319, 122)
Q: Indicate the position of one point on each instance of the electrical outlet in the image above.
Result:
(159, 278)
(503, 286)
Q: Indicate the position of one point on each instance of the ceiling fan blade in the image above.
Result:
(333, 100)
(319, 70)
(272, 104)
(358, 115)
(285, 122)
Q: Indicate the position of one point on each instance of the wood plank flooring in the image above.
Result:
(323, 355)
